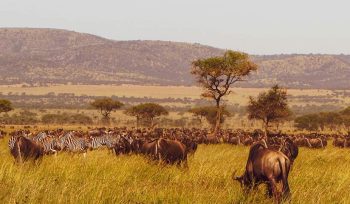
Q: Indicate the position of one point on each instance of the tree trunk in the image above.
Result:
(266, 129)
(218, 117)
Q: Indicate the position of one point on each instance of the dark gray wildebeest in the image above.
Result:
(270, 167)
(25, 149)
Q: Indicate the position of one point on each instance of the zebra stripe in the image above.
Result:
(106, 140)
(40, 137)
(13, 139)
(72, 143)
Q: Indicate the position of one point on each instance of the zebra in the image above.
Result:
(98, 142)
(72, 143)
(40, 137)
(107, 140)
(14, 136)
(47, 141)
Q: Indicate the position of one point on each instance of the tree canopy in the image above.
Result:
(270, 106)
(310, 122)
(106, 106)
(209, 113)
(146, 112)
(5, 106)
(217, 74)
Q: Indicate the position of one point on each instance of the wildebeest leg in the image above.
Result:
(269, 190)
(285, 191)
(275, 192)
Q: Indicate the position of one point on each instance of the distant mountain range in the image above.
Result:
(41, 56)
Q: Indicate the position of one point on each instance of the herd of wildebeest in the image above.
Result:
(269, 161)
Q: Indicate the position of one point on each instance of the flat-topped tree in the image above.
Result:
(147, 112)
(210, 113)
(217, 74)
(106, 106)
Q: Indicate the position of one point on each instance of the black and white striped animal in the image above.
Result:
(48, 142)
(72, 143)
(108, 140)
(14, 136)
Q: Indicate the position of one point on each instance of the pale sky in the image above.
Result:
(255, 27)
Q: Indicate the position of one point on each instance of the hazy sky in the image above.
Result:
(256, 27)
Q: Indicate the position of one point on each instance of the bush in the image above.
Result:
(66, 118)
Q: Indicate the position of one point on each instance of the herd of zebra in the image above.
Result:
(124, 140)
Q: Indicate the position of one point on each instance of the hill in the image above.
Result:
(41, 56)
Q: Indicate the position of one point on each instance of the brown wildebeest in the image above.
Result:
(165, 150)
(149, 148)
(191, 146)
(171, 151)
(2, 134)
(235, 140)
(301, 141)
(290, 149)
(266, 166)
(123, 146)
(315, 143)
(340, 142)
(25, 149)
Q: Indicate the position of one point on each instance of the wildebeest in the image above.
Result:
(25, 149)
(165, 150)
(267, 166)
(124, 145)
(341, 142)
(315, 143)
(2, 134)
(191, 146)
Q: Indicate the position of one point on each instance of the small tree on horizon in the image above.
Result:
(106, 106)
(217, 74)
(345, 114)
(309, 122)
(270, 106)
(147, 112)
(210, 113)
(5, 106)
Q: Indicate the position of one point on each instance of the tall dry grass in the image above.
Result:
(318, 176)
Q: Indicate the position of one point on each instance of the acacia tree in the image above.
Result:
(147, 112)
(269, 106)
(5, 106)
(310, 122)
(210, 113)
(106, 106)
(217, 74)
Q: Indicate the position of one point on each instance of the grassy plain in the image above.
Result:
(239, 95)
(318, 176)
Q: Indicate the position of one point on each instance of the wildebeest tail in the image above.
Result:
(18, 149)
(285, 167)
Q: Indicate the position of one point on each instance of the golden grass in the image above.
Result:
(318, 176)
